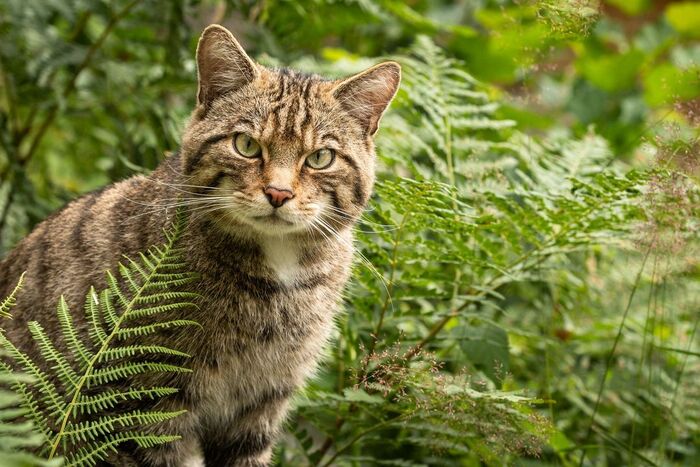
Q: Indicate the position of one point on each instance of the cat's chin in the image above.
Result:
(274, 225)
(265, 225)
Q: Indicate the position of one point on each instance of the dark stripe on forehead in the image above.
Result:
(282, 89)
(194, 160)
(307, 88)
(245, 122)
(305, 105)
(306, 121)
(275, 111)
(292, 111)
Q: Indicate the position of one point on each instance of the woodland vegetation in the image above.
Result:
(526, 289)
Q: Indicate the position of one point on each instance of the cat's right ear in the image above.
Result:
(222, 64)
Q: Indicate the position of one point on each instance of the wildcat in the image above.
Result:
(274, 169)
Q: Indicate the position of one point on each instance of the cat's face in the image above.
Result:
(280, 152)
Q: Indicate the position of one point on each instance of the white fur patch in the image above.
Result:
(194, 461)
(283, 257)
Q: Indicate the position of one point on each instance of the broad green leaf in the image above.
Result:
(685, 17)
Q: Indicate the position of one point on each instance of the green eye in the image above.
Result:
(321, 159)
(246, 146)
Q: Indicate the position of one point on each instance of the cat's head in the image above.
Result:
(278, 151)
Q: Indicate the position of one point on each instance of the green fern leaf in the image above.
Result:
(22, 428)
(11, 299)
(85, 421)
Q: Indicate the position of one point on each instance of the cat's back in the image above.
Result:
(71, 249)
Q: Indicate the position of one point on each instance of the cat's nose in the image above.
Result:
(277, 197)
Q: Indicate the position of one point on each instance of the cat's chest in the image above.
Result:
(283, 259)
(266, 317)
(274, 356)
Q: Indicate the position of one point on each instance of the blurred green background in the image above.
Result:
(551, 150)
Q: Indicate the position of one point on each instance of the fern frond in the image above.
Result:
(104, 376)
(50, 395)
(96, 452)
(73, 341)
(22, 423)
(168, 307)
(103, 426)
(79, 422)
(140, 331)
(160, 297)
(111, 398)
(11, 299)
(51, 354)
(128, 351)
(97, 332)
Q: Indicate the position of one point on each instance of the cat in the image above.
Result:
(274, 169)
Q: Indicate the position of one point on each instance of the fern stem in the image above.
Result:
(9, 302)
(390, 288)
(611, 354)
(648, 330)
(677, 383)
(114, 332)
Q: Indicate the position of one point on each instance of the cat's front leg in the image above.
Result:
(250, 449)
(184, 452)
(248, 439)
(181, 453)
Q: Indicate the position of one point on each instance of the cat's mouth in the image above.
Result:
(273, 219)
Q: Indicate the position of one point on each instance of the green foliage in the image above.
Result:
(685, 18)
(528, 281)
(500, 211)
(86, 59)
(16, 439)
(74, 398)
(11, 299)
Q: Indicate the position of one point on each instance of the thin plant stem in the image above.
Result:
(611, 354)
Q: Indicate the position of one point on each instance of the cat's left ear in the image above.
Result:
(367, 94)
(222, 64)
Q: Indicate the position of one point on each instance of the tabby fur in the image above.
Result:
(270, 287)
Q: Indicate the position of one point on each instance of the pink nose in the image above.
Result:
(277, 197)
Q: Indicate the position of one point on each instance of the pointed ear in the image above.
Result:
(367, 94)
(222, 64)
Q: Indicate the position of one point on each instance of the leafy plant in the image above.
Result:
(16, 439)
(449, 247)
(535, 272)
(76, 398)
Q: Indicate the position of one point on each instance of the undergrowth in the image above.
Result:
(528, 299)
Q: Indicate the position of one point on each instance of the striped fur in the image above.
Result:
(270, 283)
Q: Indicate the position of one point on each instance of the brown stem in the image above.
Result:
(12, 117)
(6, 208)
